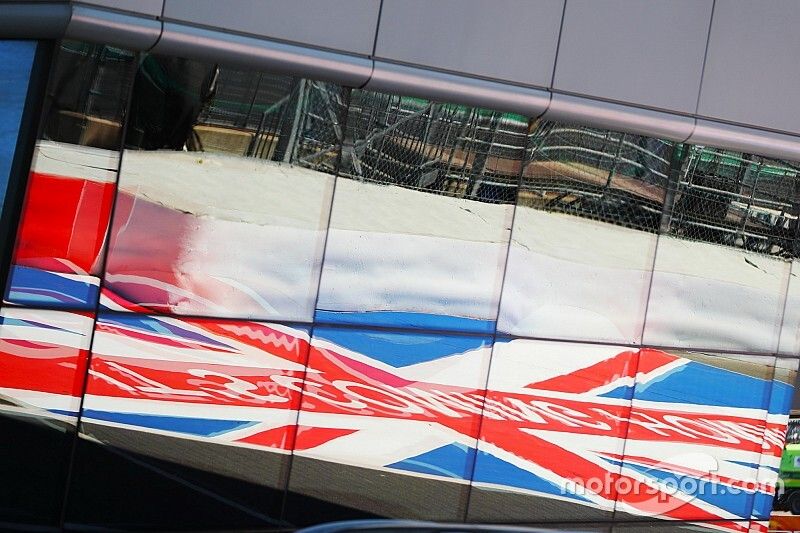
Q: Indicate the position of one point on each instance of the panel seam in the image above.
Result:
(705, 58)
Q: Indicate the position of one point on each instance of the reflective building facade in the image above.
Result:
(243, 299)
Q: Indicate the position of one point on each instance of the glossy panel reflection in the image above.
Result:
(780, 404)
(421, 215)
(790, 328)
(554, 424)
(207, 405)
(385, 414)
(240, 229)
(731, 526)
(584, 235)
(694, 445)
(42, 366)
(721, 269)
(321, 303)
(58, 255)
(16, 62)
(63, 230)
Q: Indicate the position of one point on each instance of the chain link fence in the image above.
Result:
(85, 101)
(446, 149)
(735, 199)
(281, 118)
(638, 182)
(606, 176)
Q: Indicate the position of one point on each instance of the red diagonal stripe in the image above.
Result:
(311, 437)
(591, 377)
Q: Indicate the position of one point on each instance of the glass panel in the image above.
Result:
(241, 212)
(60, 240)
(421, 215)
(729, 526)
(777, 464)
(16, 61)
(201, 410)
(42, 367)
(720, 272)
(552, 432)
(695, 436)
(584, 234)
(388, 425)
(790, 328)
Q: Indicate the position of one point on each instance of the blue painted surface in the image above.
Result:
(624, 392)
(453, 461)
(401, 349)
(201, 427)
(154, 325)
(701, 384)
(491, 469)
(403, 319)
(34, 287)
(16, 61)
(780, 400)
(736, 501)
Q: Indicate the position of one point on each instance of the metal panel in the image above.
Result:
(647, 53)
(240, 168)
(618, 117)
(439, 86)
(790, 327)
(108, 27)
(418, 238)
(252, 53)
(35, 461)
(751, 73)
(386, 445)
(347, 25)
(526, 366)
(151, 8)
(696, 394)
(254, 474)
(750, 140)
(723, 241)
(513, 40)
(58, 254)
(584, 235)
(34, 21)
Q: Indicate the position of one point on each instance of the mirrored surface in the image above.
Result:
(772, 467)
(43, 356)
(553, 429)
(60, 241)
(790, 327)
(251, 205)
(384, 415)
(421, 214)
(732, 526)
(723, 262)
(204, 408)
(584, 234)
(233, 171)
(694, 445)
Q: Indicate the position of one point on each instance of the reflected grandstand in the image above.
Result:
(692, 192)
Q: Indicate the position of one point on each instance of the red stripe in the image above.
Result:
(63, 218)
(591, 377)
(311, 437)
(651, 359)
(279, 438)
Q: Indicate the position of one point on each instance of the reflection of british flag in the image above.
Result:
(43, 360)
(600, 426)
(63, 228)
